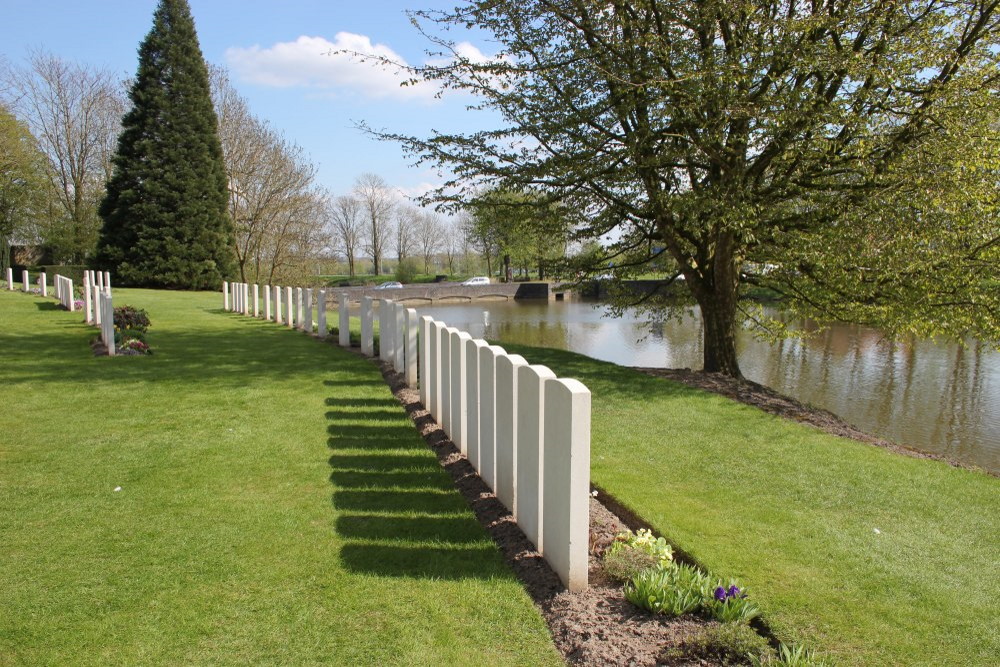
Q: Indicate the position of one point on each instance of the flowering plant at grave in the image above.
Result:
(78, 304)
(136, 346)
(729, 604)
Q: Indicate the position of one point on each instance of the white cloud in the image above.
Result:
(316, 62)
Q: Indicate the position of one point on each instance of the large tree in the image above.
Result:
(165, 219)
(274, 203)
(24, 185)
(377, 205)
(847, 148)
(75, 112)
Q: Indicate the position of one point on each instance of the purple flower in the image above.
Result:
(733, 592)
(720, 594)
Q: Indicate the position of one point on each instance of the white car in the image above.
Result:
(392, 284)
(478, 280)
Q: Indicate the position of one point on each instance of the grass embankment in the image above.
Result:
(869, 557)
(276, 505)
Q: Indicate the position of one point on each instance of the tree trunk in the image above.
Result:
(716, 298)
(719, 321)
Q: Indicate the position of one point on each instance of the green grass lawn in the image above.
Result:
(793, 514)
(276, 505)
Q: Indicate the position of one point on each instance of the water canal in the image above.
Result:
(938, 397)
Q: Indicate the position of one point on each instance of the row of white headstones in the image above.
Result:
(525, 431)
(97, 305)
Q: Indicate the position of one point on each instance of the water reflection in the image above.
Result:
(943, 398)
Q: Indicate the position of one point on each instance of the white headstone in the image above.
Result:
(107, 280)
(566, 489)
(278, 315)
(256, 300)
(225, 295)
(530, 447)
(399, 338)
(367, 326)
(487, 414)
(70, 296)
(300, 314)
(289, 308)
(267, 302)
(10, 278)
(506, 428)
(444, 357)
(412, 327)
(88, 297)
(321, 313)
(343, 321)
(307, 305)
(24, 276)
(424, 357)
(459, 375)
(434, 371)
(43, 284)
(472, 347)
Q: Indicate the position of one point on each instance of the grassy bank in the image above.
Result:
(870, 557)
(276, 505)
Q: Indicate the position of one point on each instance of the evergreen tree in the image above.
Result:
(165, 221)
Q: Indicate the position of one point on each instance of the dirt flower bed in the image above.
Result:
(595, 627)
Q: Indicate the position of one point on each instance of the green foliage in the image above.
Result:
(129, 317)
(521, 229)
(624, 563)
(165, 220)
(728, 644)
(24, 187)
(407, 271)
(797, 656)
(675, 591)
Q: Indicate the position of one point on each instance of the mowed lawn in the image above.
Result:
(869, 557)
(276, 505)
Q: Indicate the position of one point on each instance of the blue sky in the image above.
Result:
(277, 54)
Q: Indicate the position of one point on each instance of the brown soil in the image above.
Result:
(595, 627)
(771, 401)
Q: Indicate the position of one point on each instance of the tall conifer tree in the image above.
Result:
(165, 222)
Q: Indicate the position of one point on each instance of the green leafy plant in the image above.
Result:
(788, 656)
(129, 317)
(674, 591)
(730, 605)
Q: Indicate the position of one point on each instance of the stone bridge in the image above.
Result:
(428, 293)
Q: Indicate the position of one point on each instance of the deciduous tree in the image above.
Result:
(24, 185)
(377, 205)
(75, 112)
(776, 132)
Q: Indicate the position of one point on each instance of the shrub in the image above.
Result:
(128, 317)
(725, 645)
(643, 541)
(624, 563)
(407, 271)
(134, 346)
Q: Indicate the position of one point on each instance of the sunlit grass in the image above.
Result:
(870, 557)
(276, 505)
